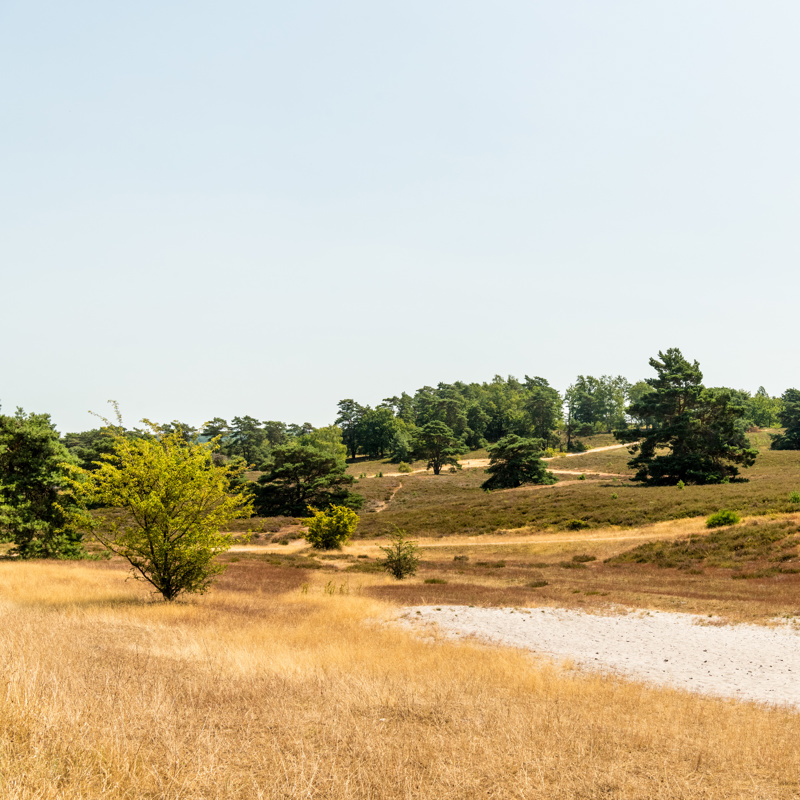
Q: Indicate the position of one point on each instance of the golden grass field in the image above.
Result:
(270, 686)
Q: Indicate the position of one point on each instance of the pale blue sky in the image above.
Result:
(211, 209)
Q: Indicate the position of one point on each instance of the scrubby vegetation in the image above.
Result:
(770, 543)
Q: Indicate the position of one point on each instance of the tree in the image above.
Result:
(329, 530)
(543, 406)
(32, 471)
(600, 402)
(436, 443)
(247, 439)
(88, 446)
(514, 461)
(789, 417)
(698, 426)
(635, 393)
(165, 502)
(402, 557)
(764, 410)
(217, 427)
(301, 476)
(348, 420)
(328, 440)
(376, 430)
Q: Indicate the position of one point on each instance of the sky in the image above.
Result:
(217, 209)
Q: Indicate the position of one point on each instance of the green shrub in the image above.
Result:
(401, 556)
(435, 580)
(404, 467)
(329, 530)
(460, 558)
(722, 518)
(583, 558)
(582, 478)
(576, 525)
(794, 497)
(681, 485)
(615, 496)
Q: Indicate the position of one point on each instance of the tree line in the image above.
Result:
(680, 429)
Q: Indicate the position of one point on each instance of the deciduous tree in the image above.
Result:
(164, 506)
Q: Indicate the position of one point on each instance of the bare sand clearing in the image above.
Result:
(748, 662)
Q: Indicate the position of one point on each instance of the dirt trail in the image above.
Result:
(587, 472)
(383, 503)
(477, 463)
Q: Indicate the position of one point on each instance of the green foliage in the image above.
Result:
(723, 518)
(402, 557)
(576, 525)
(515, 461)
(404, 467)
(794, 497)
(349, 419)
(436, 443)
(330, 529)
(681, 485)
(698, 426)
(790, 419)
(599, 402)
(164, 504)
(88, 447)
(33, 464)
(377, 428)
(327, 440)
(299, 477)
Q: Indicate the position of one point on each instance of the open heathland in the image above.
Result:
(453, 503)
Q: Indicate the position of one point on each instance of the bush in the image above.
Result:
(401, 556)
(576, 525)
(435, 580)
(583, 558)
(536, 584)
(794, 497)
(329, 530)
(681, 485)
(404, 467)
(722, 518)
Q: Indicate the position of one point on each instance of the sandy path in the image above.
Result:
(383, 503)
(748, 662)
(477, 463)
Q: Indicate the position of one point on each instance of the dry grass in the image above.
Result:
(261, 691)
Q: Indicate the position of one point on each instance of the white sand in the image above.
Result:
(749, 662)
